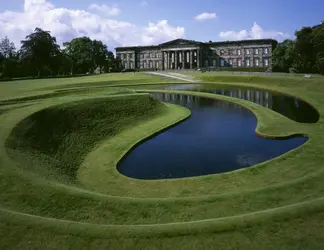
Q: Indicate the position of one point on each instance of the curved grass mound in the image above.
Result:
(60, 188)
(55, 140)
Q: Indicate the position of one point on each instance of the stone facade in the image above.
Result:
(188, 54)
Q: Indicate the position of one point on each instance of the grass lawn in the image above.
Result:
(60, 141)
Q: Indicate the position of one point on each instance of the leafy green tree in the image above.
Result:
(99, 54)
(40, 48)
(87, 54)
(7, 48)
(8, 59)
(66, 66)
(110, 62)
(284, 56)
(304, 48)
(80, 51)
(305, 54)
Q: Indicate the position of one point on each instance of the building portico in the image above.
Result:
(186, 58)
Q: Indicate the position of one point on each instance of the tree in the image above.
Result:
(284, 56)
(66, 66)
(305, 49)
(8, 59)
(305, 54)
(100, 54)
(87, 55)
(80, 51)
(110, 62)
(7, 48)
(40, 48)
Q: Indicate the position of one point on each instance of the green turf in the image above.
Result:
(60, 141)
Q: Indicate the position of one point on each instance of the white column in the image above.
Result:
(183, 59)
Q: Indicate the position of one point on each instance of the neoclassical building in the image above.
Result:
(189, 54)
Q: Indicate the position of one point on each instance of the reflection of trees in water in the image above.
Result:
(263, 98)
(290, 107)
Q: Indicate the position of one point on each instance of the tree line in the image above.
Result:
(40, 56)
(305, 54)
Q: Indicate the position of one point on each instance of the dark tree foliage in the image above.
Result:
(41, 56)
(40, 48)
(304, 55)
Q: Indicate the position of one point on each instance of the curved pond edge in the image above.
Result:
(245, 104)
(242, 103)
(93, 194)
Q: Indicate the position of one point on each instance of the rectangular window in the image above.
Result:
(214, 63)
(266, 51)
(266, 62)
(222, 63)
(156, 64)
(239, 52)
(247, 62)
(256, 51)
(230, 62)
(247, 51)
(144, 64)
(239, 63)
(256, 62)
(206, 63)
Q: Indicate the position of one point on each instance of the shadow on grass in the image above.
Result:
(57, 138)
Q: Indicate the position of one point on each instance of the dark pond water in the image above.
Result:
(293, 108)
(218, 137)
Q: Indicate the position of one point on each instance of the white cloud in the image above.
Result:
(152, 34)
(256, 32)
(66, 24)
(205, 16)
(108, 10)
(144, 3)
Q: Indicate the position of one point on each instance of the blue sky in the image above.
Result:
(276, 19)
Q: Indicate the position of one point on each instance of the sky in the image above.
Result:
(148, 22)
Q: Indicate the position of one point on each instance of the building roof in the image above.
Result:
(181, 41)
(243, 41)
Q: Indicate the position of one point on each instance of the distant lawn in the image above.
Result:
(27, 87)
(59, 146)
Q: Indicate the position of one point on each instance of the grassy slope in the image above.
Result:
(67, 203)
(58, 137)
(32, 87)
